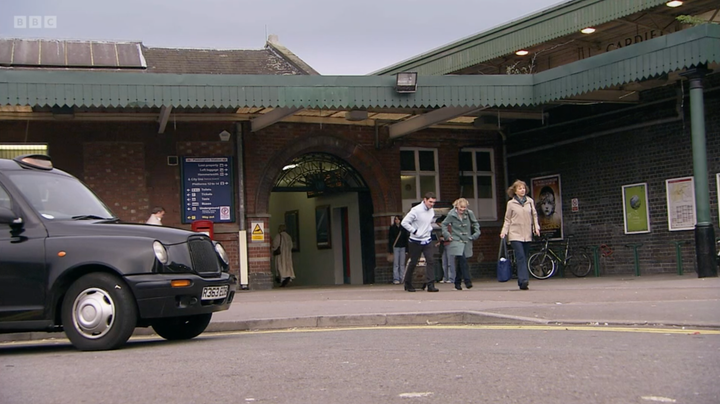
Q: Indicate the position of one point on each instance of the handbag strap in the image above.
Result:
(397, 238)
(502, 252)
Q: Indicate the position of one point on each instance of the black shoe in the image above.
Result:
(524, 286)
(284, 282)
(458, 287)
(424, 285)
(431, 287)
(409, 288)
(468, 285)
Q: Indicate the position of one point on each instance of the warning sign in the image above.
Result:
(257, 231)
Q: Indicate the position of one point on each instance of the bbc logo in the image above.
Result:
(35, 21)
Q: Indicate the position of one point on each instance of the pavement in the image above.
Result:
(663, 300)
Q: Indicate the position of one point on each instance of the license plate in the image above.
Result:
(214, 292)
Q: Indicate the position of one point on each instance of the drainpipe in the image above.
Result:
(704, 231)
(504, 157)
(243, 267)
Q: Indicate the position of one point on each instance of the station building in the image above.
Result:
(612, 106)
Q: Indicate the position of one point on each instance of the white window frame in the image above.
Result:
(419, 195)
(488, 210)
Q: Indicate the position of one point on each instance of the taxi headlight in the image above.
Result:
(221, 253)
(160, 252)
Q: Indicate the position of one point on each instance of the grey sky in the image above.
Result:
(334, 37)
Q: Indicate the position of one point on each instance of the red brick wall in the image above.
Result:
(115, 171)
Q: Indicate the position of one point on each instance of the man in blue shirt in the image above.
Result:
(418, 222)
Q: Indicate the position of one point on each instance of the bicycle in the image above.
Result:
(543, 264)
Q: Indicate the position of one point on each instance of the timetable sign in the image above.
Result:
(207, 190)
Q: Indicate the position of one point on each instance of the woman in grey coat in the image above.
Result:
(461, 228)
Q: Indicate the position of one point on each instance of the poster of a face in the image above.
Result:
(545, 191)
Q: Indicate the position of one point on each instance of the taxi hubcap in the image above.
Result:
(93, 313)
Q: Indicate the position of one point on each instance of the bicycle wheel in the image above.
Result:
(579, 265)
(541, 265)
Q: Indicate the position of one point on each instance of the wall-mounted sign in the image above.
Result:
(207, 189)
(681, 203)
(256, 229)
(636, 213)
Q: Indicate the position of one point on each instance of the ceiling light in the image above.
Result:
(289, 167)
(674, 3)
(522, 52)
(588, 30)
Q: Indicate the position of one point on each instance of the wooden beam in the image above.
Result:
(163, 119)
(271, 117)
(426, 120)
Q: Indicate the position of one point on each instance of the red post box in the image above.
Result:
(204, 226)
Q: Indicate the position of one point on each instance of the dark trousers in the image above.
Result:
(521, 250)
(415, 249)
(463, 272)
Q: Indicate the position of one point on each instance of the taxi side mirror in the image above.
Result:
(7, 216)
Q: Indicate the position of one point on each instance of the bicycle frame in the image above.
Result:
(546, 248)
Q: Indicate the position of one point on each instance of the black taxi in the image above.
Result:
(66, 263)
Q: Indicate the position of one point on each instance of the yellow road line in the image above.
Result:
(646, 330)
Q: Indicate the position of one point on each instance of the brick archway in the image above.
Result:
(354, 154)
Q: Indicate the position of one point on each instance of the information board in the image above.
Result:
(207, 189)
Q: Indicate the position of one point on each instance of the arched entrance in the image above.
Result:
(327, 208)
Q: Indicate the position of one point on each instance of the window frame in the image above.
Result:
(474, 202)
(417, 173)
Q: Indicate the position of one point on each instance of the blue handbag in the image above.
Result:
(504, 272)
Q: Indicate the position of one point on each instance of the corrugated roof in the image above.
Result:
(545, 25)
(107, 89)
(641, 61)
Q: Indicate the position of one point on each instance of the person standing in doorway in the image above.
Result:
(521, 222)
(419, 223)
(283, 243)
(156, 216)
(461, 228)
(397, 243)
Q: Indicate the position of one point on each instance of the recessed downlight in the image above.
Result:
(588, 30)
(522, 52)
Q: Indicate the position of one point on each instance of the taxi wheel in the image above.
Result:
(99, 312)
(177, 328)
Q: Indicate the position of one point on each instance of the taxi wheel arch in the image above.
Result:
(179, 328)
(98, 312)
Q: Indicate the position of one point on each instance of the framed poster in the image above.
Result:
(292, 226)
(545, 191)
(636, 214)
(322, 226)
(680, 203)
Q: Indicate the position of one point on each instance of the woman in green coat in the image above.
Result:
(461, 228)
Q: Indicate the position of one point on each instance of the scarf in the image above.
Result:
(522, 201)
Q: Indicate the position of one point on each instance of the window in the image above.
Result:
(10, 151)
(5, 201)
(477, 182)
(418, 175)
